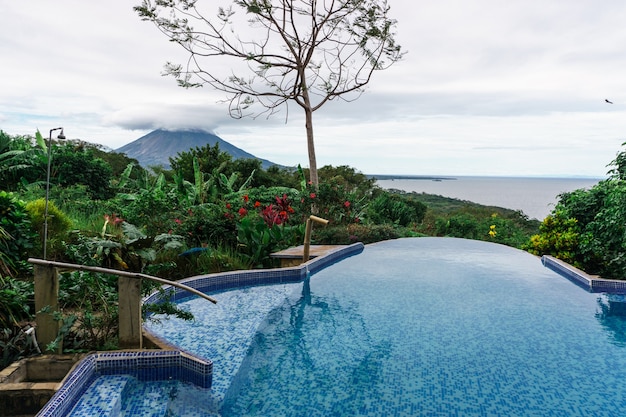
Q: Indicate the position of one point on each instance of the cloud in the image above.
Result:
(487, 87)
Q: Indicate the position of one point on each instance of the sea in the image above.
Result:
(535, 197)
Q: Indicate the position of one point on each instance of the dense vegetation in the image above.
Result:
(211, 214)
(587, 228)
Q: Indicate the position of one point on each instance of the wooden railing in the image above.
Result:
(129, 288)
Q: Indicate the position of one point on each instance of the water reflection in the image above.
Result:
(317, 344)
(612, 316)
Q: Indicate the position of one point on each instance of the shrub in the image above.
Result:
(89, 301)
(397, 209)
(558, 236)
(206, 225)
(347, 235)
(16, 235)
(462, 225)
(58, 224)
(587, 227)
(207, 261)
(17, 300)
(265, 230)
(16, 309)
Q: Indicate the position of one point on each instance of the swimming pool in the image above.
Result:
(425, 326)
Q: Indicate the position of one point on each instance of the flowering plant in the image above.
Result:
(262, 229)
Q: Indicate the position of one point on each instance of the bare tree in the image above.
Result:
(306, 51)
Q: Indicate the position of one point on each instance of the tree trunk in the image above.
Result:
(308, 112)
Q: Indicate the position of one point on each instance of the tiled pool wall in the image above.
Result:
(175, 364)
(236, 279)
(145, 365)
(587, 282)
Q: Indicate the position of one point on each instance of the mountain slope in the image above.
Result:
(158, 146)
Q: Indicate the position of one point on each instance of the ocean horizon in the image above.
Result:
(534, 196)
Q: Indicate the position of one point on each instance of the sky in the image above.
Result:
(487, 87)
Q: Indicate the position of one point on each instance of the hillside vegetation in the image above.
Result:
(213, 213)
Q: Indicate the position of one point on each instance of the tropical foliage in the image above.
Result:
(587, 227)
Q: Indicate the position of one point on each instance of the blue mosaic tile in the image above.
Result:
(102, 398)
(336, 351)
(120, 366)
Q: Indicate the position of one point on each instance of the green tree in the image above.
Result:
(587, 227)
(118, 162)
(396, 209)
(76, 164)
(209, 158)
(305, 52)
(7, 155)
(17, 154)
(618, 170)
(72, 163)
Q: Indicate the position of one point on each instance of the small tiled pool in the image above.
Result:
(410, 327)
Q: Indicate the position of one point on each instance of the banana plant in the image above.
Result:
(229, 182)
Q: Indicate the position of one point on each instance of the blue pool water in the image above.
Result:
(425, 326)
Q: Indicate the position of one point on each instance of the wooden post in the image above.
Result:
(307, 235)
(47, 298)
(129, 312)
(307, 241)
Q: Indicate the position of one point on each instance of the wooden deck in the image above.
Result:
(293, 256)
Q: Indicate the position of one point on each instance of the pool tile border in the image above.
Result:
(236, 279)
(587, 282)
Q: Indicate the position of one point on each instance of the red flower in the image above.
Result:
(177, 221)
(312, 195)
(242, 212)
(228, 206)
(246, 198)
(346, 204)
(257, 204)
(113, 219)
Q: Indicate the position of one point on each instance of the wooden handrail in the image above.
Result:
(117, 272)
(129, 304)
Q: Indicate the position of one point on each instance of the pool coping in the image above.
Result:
(175, 362)
(590, 283)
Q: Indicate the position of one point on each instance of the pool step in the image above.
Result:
(188, 400)
(147, 399)
(103, 398)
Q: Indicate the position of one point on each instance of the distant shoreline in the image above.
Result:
(446, 178)
(534, 196)
(409, 177)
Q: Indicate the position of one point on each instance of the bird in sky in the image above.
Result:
(607, 100)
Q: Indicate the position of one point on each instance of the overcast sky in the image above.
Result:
(488, 87)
